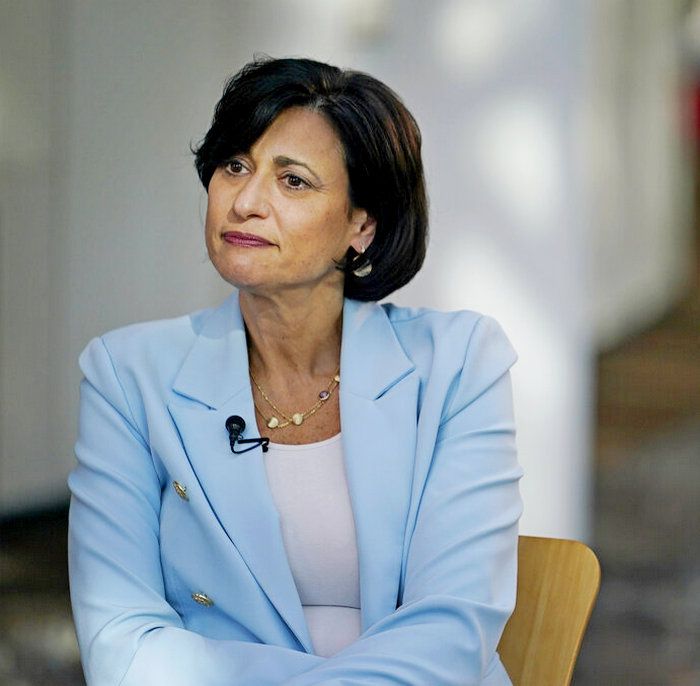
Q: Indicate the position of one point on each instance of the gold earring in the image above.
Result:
(364, 269)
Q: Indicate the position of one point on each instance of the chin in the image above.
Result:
(242, 282)
(241, 273)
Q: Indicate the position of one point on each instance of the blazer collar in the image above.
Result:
(378, 407)
(216, 367)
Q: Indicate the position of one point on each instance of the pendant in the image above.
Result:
(273, 422)
(297, 418)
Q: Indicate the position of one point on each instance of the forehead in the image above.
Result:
(304, 135)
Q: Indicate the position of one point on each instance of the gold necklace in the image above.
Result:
(297, 417)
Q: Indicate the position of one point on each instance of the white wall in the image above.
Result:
(27, 244)
(636, 165)
(101, 210)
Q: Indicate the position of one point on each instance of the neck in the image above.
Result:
(293, 333)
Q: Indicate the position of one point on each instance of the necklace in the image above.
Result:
(297, 418)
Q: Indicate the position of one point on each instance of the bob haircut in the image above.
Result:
(381, 144)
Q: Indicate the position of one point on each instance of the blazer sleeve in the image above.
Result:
(460, 575)
(128, 634)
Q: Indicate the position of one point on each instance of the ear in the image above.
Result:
(364, 228)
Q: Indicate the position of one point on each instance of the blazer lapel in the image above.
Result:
(378, 406)
(215, 373)
(378, 401)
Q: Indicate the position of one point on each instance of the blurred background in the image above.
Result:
(560, 143)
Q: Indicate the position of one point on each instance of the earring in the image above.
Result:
(364, 269)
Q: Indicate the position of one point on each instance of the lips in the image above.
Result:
(247, 240)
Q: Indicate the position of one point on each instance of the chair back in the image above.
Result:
(558, 582)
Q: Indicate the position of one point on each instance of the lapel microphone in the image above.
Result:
(235, 426)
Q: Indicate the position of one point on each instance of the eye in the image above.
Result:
(234, 166)
(296, 182)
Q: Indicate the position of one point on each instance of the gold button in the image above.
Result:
(202, 599)
(180, 490)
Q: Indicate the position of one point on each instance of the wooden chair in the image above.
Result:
(558, 582)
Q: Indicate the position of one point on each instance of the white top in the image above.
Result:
(309, 486)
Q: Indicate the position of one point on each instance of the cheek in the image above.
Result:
(324, 231)
(213, 219)
(217, 199)
(208, 234)
(213, 210)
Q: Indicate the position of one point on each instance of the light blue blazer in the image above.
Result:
(428, 439)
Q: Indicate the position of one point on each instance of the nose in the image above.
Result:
(251, 198)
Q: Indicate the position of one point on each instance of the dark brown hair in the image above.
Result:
(381, 143)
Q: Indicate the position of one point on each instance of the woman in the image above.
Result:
(374, 541)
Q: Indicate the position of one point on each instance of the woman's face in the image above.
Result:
(279, 214)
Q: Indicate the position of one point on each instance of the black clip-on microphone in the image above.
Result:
(235, 426)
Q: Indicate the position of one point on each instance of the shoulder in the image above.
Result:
(158, 345)
(458, 355)
(458, 323)
(458, 334)
(173, 332)
(135, 363)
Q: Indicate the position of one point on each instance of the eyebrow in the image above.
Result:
(284, 161)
